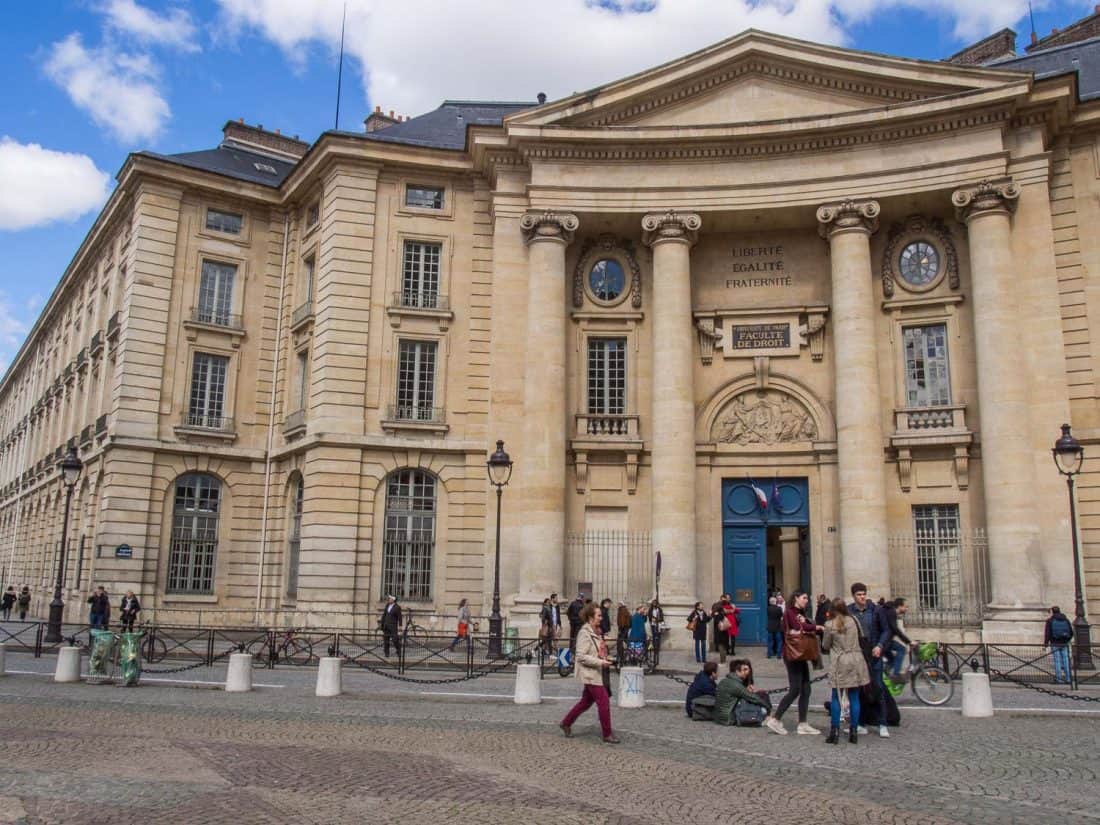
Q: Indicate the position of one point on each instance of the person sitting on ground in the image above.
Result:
(737, 686)
(705, 684)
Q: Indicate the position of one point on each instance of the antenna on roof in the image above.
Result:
(340, 71)
(1031, 14)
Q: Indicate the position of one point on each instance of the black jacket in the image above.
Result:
(701, 618)
(702, 686)
(822, 614)
(574, 612)
(1047, 637)
(9, 600)
(775, 618)
(129, 606)
(391, 619)
(890, 616)
(872, 625)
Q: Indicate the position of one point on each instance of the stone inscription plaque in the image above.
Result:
(760, 336)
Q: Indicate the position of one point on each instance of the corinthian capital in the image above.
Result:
(658, 227)
(987, 196)
(847, 216)
(549, 226)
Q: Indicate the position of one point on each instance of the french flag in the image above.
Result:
(761, 496)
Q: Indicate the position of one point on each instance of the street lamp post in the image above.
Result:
(70, 470)
(500, 470)
(1069, 455)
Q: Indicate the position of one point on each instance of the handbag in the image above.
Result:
(692, 625)
(462, 628)
(749, 714)
(723, 625)
(799, 646)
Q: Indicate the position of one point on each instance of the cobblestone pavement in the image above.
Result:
(78, 753)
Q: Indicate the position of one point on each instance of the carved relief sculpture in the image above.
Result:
(764, 417)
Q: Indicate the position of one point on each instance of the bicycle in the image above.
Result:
(930, 683)
(153, 648)
(288, 646)
(639, 654)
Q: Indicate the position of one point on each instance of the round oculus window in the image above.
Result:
(606, 279)
(919, 263)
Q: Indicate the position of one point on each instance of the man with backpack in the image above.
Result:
(573, 613)
(1057, 636)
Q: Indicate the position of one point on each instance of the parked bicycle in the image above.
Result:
(153, 648)
(930, 682)
(287, 646)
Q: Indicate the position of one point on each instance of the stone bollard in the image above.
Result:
(68, 664)
(3, 653)
(528, 685)
(238, 679)
(329, 682)
(631, 687)
(977, 697)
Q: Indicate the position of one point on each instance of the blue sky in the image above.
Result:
(88, 81)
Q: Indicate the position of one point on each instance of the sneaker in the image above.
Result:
(862, 731)
(806, 729)
(775, 726)
(566, 729)
(883, 732)
(611, 740)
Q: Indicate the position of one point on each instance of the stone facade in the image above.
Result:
(854, 286)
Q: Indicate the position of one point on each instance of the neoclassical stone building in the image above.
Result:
(788, 314)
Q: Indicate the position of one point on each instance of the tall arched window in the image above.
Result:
(294, 538)
(194, 534)
(410, 535)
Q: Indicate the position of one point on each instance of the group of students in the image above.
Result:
(10, 599)
(99, 607)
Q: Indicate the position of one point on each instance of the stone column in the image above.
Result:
(1007, 466)
(864, 555)
(541, 465)
(672, 428)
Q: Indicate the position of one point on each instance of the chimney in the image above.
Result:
(376, 120)
(1034, 38)
(541, 97)
(256, 139)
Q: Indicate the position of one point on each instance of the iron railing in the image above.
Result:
(216, 318)
(607, 426)
(618, 564)
(420, 299)
(301, 314)
(417, 413)
(943, 576)
(203, 421)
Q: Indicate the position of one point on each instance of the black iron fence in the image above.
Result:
(1025, 664)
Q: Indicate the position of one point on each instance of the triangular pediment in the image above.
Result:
(755, 77)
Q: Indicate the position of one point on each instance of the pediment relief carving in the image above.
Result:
(764, 417)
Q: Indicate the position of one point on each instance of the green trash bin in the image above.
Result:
(129, 657)
(511, 637)
(101, 656)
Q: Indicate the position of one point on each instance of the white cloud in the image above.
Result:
(42, 186)
(115, 88)
(174, 28)
(418, 52)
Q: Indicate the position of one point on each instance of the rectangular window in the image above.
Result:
(313, 214)
(216, 294)
(228, 222)
(424, 197)
(607, 376)
(416, 381)
(207, 404)
(409, 542)
(420, 275)
(294, 544)
(927, 381)
(194, 545)
(308, 266)
(938, 556)
(303, 379)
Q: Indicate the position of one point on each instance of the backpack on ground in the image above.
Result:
(749, 714)
(1060, 629)
(702, 708)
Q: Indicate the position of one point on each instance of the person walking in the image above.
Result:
(796, 658)
(8, 602)
(462, 629)
(697, 624)
(24, 602)
(573, 613)
(775, 635)
(390, 622)
(1057, 636)
(875, 635)
(622, 625)
(656, 618)
(847, 669)
(591, 662)
(128, 610)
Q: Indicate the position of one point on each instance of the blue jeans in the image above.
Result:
(775, 644)
(853, 704)
(700, 650)
(895, 654)
(1061, 662)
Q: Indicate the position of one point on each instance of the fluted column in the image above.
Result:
(672, 428)
(864, 554)
(1007, 466)
(541, 466)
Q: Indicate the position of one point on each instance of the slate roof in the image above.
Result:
(445, 127)
(1082, 57)
(232, 161)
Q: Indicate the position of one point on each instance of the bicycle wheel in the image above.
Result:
(932, 685)
(153, 650)
(298, 652)
(260, 653)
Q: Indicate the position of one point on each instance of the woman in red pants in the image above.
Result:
(591, 662)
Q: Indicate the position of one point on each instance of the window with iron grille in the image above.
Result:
(424, 197)
(220, 221)
(409, 542)
(416, 380)
(207, 404)
(936, 529)
(927, 381)
(607, 376)
(194, 546)
(216, 293)
(420, 275)
(294, 540)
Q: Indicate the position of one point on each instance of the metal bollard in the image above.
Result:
(632, 687)
(977, 697)
(238, 678)
(68, 664)
(528, 685)
(329, 681)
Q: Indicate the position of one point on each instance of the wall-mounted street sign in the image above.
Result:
(124, 551)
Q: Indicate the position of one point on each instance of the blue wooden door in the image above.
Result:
(744, 552)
